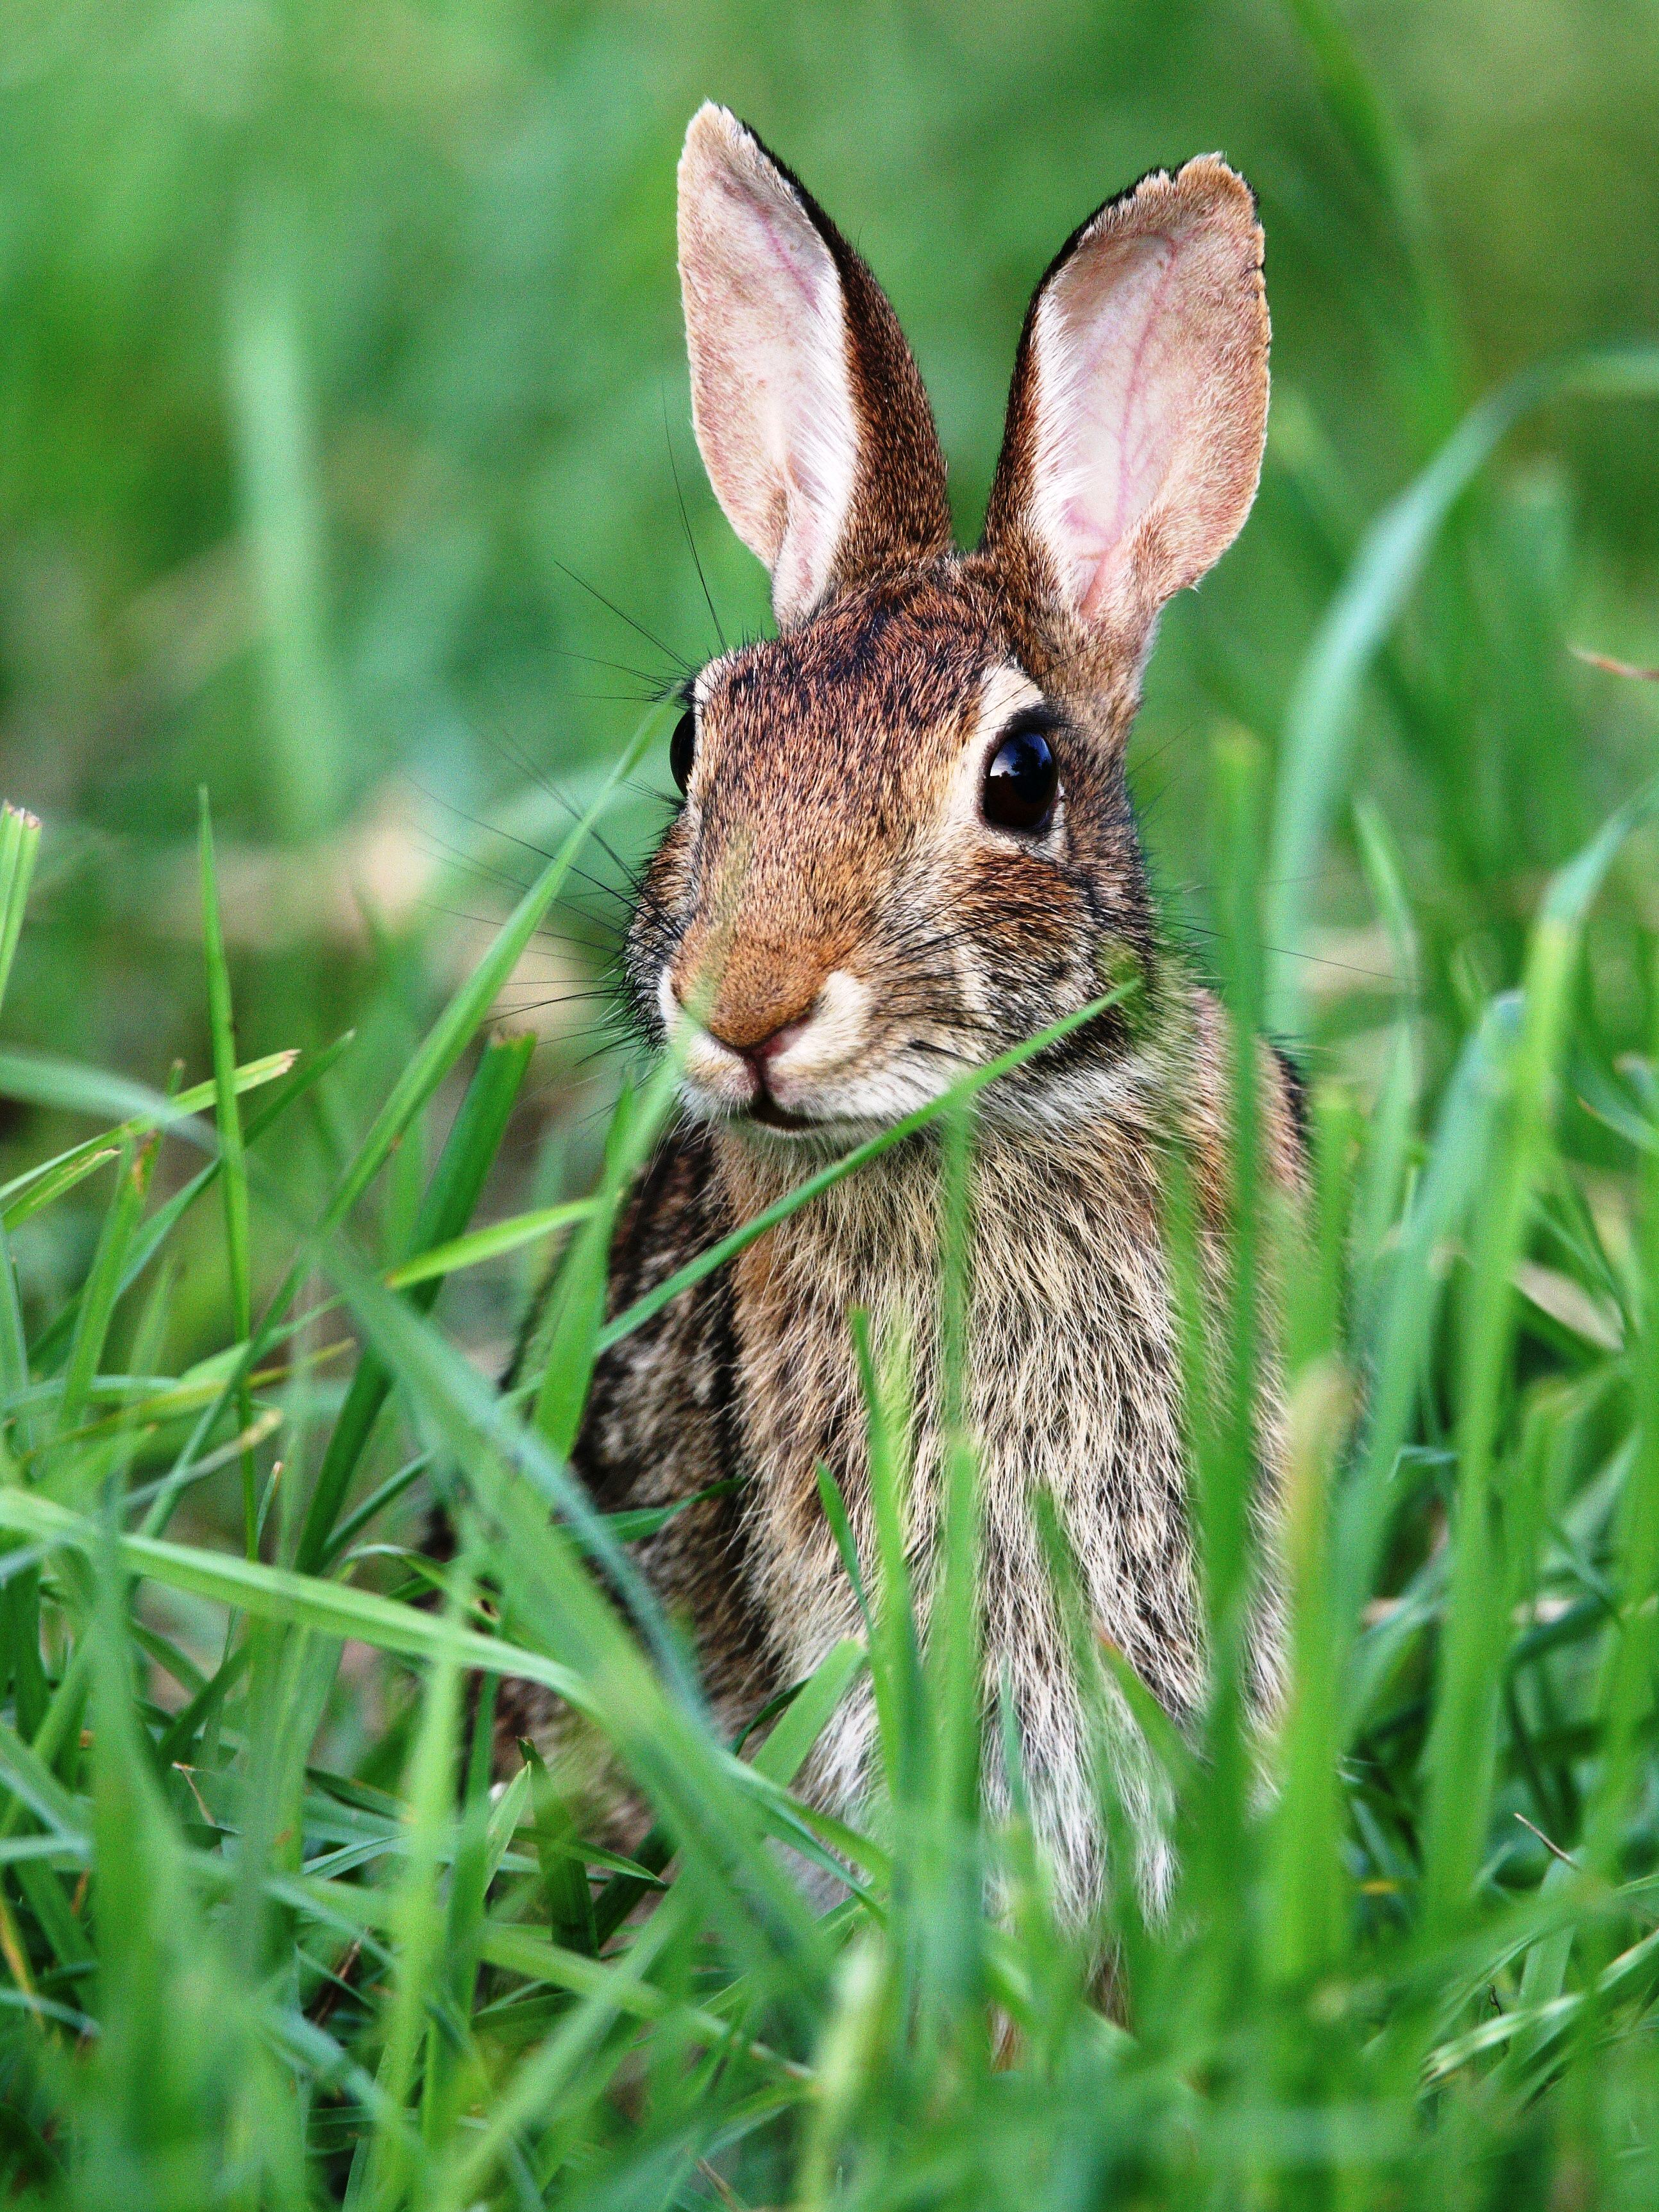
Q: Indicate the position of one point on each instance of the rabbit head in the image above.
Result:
(906, 841)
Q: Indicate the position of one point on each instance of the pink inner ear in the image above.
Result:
(772, 403)
(778, 262)
(1149, 359)
(1120, 393)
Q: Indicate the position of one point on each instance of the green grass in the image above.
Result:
(276, 1182)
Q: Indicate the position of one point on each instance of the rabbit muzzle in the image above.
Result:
(739, 1059)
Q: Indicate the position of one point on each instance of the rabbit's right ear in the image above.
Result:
(1139, 407)
(810, 415)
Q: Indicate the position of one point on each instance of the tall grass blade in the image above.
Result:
(1320, 721)
(19, 847)
(103, 1283)
(568, 1341)
(232, 1159)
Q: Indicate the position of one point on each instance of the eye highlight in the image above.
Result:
(1021, 778)
(683, 747)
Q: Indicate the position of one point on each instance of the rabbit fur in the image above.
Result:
(834, 932)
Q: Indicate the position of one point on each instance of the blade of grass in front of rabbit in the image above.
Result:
(1114, 1741)
(20, 845)
(455, 2078)
(1383, 1174)
(20, 848)
(383, 2166)
(949, 1988)
(1182, 1999)
(289, 1671)
(19, 1601)
(1227, 1474)
(568, 1350)
(895, 1658)
(103, 1282)
(1305, 1883)
(1393, 1338)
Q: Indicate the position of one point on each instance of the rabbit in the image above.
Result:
(906, 843)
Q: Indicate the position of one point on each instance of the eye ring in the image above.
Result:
(683, 747)
(1022, 777)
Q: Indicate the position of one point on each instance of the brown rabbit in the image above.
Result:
(906, 844)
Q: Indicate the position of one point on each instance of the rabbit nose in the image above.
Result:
(763, 1050)
(752, 1043)
(765, 997)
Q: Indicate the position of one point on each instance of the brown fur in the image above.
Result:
(835, 910)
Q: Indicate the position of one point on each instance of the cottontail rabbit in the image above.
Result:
(906, 844)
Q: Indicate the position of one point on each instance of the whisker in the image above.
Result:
(1283, 952)
(608, 889)
(526, 765)
(667, 651)
(500, 876)
(597, 660)
(496, 920)
(685, 524)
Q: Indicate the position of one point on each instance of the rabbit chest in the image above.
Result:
(1073, 1385)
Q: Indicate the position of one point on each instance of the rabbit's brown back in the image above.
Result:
(907, 843)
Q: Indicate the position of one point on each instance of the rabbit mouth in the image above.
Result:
(764, 1108)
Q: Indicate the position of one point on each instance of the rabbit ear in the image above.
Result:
(810, 414)
(1139, 404)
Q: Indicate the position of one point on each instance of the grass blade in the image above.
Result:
(967, 1088)
(233, 1161)
(20, 848)
(1321, 722)
(103, 1284)
(489, 1243)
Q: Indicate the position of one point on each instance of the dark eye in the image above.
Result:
(1022, 779)
(682, 749)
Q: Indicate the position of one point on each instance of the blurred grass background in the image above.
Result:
(334, 338)
(344, 443)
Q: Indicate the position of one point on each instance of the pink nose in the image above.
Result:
(760, 1052)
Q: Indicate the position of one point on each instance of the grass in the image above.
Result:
(267, 1937)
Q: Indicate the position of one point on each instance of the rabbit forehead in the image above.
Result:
(870, 702)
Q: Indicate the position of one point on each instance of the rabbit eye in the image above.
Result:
(1023, 777)
(682, 749)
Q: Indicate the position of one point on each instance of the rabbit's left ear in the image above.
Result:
(810, 414)
(1139, 405)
